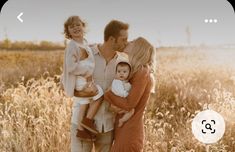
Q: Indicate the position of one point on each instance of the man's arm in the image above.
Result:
(89, 91)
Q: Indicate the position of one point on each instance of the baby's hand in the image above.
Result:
(89, 78)
(83, 54)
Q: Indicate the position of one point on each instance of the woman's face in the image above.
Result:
(129, 47)
(76, 29)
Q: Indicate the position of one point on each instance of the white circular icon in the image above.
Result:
(208, 126)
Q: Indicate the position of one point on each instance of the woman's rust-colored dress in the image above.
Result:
(130, 137)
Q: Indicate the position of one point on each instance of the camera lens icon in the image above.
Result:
(208, 126)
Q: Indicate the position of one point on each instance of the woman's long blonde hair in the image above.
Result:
(142, 54)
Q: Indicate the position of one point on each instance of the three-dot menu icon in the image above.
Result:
(210, 20)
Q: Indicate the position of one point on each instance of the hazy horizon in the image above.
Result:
(162, 22)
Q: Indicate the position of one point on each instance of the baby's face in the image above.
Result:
(122, 72)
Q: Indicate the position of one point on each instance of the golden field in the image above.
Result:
(35, 114)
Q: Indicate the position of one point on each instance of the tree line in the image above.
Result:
(7, 44)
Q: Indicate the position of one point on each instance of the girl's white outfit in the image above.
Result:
(88, 65)
(72, 77)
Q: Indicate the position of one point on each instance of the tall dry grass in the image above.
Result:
(35, 117)
(23, 65)
(35, 114)
(188, 82)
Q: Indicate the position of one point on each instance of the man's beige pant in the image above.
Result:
(102, 144)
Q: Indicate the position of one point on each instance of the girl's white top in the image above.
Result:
(73, 67)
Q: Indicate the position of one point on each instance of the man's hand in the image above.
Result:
(89, 91)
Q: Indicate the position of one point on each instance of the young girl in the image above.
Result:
(79, 65)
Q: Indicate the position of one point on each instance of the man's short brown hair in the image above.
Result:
(113, 29)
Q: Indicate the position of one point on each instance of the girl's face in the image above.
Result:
(76, 29)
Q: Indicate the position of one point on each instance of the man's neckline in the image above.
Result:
(99, 51)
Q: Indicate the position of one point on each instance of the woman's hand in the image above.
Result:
(116, 109)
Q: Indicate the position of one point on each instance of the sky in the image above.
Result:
(162, 22)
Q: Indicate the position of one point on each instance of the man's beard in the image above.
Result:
(120, 49)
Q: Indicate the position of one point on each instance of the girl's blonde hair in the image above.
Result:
(143, 54)
(69, 22)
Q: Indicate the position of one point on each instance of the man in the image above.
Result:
(115, 39)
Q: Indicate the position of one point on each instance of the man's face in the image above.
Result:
(121, 42)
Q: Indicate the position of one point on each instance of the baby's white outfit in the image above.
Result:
(120, 88)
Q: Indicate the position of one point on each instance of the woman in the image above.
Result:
(130, 137)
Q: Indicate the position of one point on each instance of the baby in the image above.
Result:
(121, 86)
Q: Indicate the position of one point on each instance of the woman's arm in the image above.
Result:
(139, 84)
